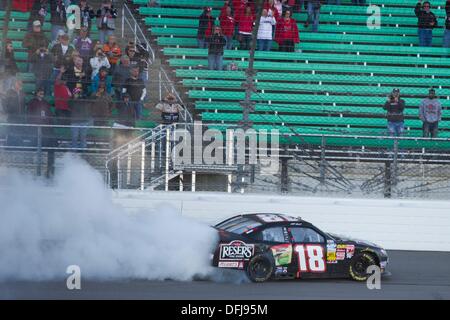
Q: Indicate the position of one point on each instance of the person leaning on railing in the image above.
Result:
(170, 109)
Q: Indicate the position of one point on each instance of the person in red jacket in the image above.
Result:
(227, 24)
(62, 97)
(245, 23)
(22, 5)
(287, 33)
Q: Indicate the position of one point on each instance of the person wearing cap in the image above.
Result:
(430, 112)
(427, 21)
(395, 107)
(169, 109)
(205, 27)
(62, 54)
(83, 44)
(106, 17)
(58, 17)
(81, 118)
(34, 40)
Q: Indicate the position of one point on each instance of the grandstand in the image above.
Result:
(335, 83)
(325, 98)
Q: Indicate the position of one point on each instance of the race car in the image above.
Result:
(276, 246)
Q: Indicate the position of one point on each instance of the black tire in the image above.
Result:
(260, 268)
(359, 265)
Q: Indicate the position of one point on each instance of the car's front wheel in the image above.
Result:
(359, 265)
(260, 268)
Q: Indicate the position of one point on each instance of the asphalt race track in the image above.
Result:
(415, 275)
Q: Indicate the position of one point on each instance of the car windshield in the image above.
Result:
(238, 225)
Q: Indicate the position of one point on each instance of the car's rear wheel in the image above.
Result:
(359, 265)
(260, 268)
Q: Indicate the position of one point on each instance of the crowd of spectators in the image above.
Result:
(78, 81)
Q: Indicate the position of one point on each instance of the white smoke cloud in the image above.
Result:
(44, 229)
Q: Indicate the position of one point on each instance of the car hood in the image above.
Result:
(343, 238)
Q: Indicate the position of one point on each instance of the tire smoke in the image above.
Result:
(45, 228)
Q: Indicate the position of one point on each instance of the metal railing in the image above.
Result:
(167, 86)
(129, 23)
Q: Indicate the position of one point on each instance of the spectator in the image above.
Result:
(81, 118)
(271, 9)
(98, 61)
(227, 23)
(313, 7)
(83, 44)
(135, 87)
(43, 68)
(78, 75)
(395, 107)
(430, 112)
(22, 5)
(126, 112)
(14, 107)
(39, 110)
(223, 10)
(265, 31)
(58, 17)
(426, 23)
(120, 75)
(11, 68)
(62, 54)
(138, 58)
(446, 40)
(87, 14)
(112, 51)
(34, 40)
(106, 17)
(287, 33)
(62, 98)
(215, 50)
(245, 23)
(102, 79)
(279, 6)
(205, 26)
(102, 105)
(39, 11)
(170, 109)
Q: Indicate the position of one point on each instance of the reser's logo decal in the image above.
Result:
(236, 250)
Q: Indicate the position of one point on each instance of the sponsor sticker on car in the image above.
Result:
(236, 250)
(282, 254)
(228, 264)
